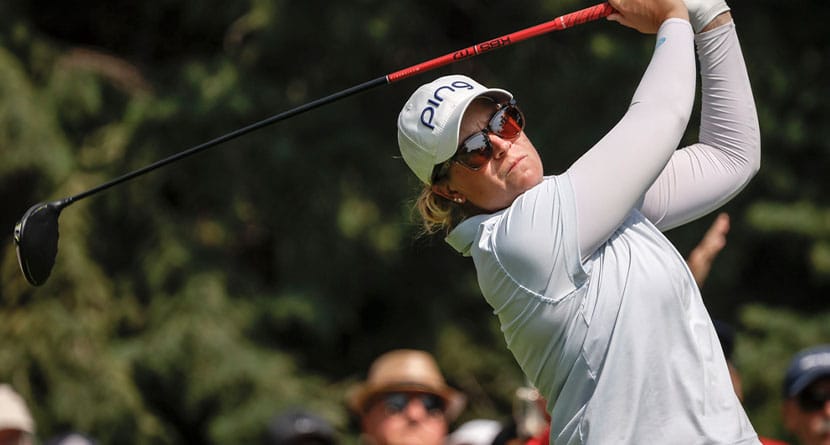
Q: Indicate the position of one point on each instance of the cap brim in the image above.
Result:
(806, 380)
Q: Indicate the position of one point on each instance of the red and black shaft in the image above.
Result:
(36, 234)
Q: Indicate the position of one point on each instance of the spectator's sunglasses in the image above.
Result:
(813, 399)
(396, 402)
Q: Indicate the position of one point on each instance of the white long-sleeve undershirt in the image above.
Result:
(636, 165)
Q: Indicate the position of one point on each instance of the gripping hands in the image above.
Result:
(646, 16)
(702, 12)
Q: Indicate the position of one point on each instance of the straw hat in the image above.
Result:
(14, 414)
(406, 370)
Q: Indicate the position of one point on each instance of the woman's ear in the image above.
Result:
(443, 189)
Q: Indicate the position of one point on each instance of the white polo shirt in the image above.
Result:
(621, 346)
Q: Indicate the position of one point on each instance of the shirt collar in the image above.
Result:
(462, 236)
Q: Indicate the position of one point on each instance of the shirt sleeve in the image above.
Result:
(610, 179)
(703, 176)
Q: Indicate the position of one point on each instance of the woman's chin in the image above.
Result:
(524, 180)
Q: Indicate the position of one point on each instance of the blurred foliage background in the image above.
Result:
(194, 303)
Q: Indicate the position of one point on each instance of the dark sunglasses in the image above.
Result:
(812, 399)
(475, 151)
(396, 402)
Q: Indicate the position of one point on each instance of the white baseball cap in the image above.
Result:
(429, 122)
(14, 414)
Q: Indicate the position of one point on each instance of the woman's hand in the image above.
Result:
(646, 16)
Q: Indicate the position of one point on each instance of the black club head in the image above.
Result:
(36, 240)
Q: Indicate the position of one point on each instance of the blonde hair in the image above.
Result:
(439, 213)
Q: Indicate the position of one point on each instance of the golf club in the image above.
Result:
(36, 234)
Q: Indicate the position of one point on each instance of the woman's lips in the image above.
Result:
(514, 164)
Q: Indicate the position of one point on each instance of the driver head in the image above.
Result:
(36, 240)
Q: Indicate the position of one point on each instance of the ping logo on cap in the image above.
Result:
(428, 113)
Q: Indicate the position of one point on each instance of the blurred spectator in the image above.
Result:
(508, 435)
(299, 427)
(71, 439)
(531, 416)
(700, 261)
(714, 240)
(726, 336)
(475, 432)
(530, 424)
(405, 400)
(806, 409)
(16, 424)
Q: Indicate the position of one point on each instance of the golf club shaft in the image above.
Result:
(566, 21)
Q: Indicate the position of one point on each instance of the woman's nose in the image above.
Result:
(500, 146)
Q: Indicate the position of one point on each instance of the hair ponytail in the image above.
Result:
(439, 213)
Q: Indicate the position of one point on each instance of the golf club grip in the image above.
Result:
(562, 22)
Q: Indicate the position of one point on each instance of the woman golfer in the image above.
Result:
(597, 306)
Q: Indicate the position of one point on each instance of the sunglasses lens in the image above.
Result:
(475, 151)
(813, 400)
(432, 403)
(508, 122)
(395, 402)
